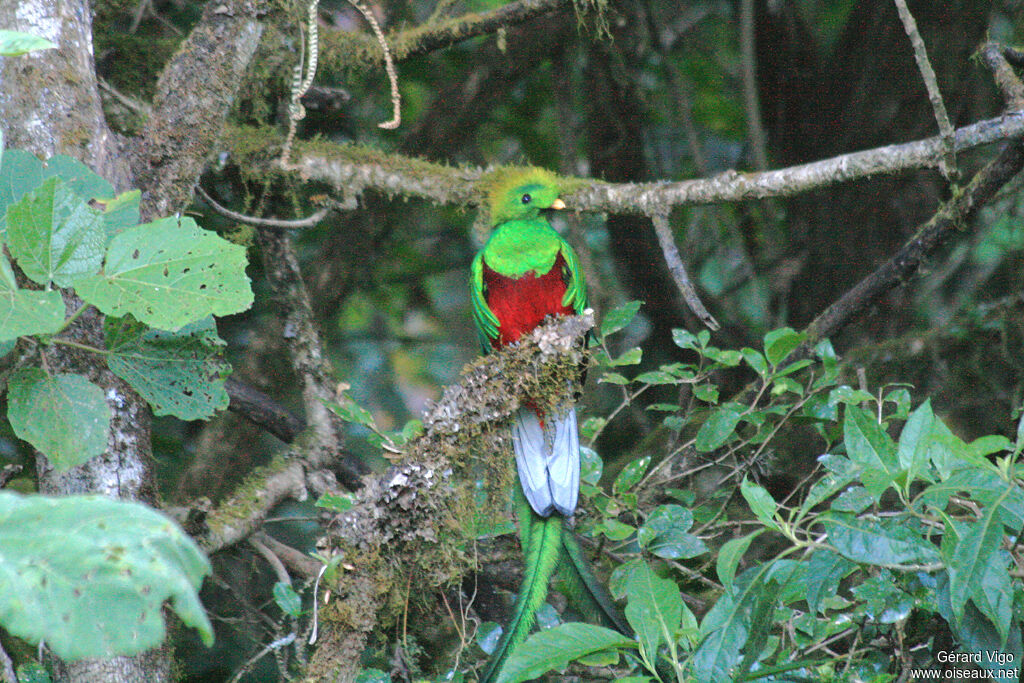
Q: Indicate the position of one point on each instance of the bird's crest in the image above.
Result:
(519, 192)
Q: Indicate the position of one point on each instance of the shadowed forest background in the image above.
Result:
(362, 317)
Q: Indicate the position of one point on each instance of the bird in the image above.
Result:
(525, 273)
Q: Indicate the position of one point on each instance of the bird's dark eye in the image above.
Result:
(526, 199)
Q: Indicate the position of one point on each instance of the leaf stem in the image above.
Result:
(82, 347)
(74, 316)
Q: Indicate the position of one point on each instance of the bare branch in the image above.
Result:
(678, 271)
(263, 410)
(948, 165)
(255, 221)
(751, 103)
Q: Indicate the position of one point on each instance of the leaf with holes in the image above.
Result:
(179, 373)
(168, 275)
(89, 576)
(64, 416)
(54, 235)
(23, 311)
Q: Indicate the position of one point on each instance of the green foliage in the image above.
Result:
(15, 43)
(902, 523)
(179, 373)
(64, 416)
(159, 283)
(89, 576)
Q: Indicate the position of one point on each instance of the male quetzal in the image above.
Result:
(524, 273)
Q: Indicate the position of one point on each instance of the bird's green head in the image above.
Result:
(520, 193)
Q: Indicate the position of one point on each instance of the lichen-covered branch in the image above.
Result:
(194, 93)
(409, 525)
(352, 169)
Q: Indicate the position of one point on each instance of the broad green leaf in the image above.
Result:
(618, 318)
(755, 359)
(825, 570)
(706, 392)
(592, 426)
(23, 311)
(730, 554)
(287, 599)
(89, 576)
(16, 43)
(987, 445)
(760, 501)
(974, 551)
(64, 416)
(372, 676)
(179, 373)
(868, 445)
(350, 411)
(994, 594)
(121, 212)
(848, 396)
(20, 173)
(780, 343)
(655, 377)
(841, 471)
(685, 339)
(81, 179)
(335, 501)
(665, 534)
(974, 632)
(855, 499)
(719, 426)
(726, 626)
(556, 647)
(591, 466)
(54, 236)
(615, 530)
(654, 609)
(631, 474)
(629, 357)
(915, 439)
(877, 541)
(168, 275)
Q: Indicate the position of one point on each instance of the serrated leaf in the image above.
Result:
(287, 599)
(719, 426)
(24, 312)
(54, 236)
(556, 647)
(618, 318)
(168, 274)
(730, 554)
(16, 43)
(89, 575)
(179, 373)
(64, 416)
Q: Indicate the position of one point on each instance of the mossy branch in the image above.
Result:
(411, 525)
(352, 169)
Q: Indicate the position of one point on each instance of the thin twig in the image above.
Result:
(271, 223)
(273, 560)
(997, 59)
(948, 165)
(751, 103)
(389, 66)
(678, 271)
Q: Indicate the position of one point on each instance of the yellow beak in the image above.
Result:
(558, 204)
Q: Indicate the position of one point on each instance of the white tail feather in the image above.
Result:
(548, 460)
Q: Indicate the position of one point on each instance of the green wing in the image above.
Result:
(487, 323)
(576, 284)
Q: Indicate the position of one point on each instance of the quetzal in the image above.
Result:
(524, 273)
